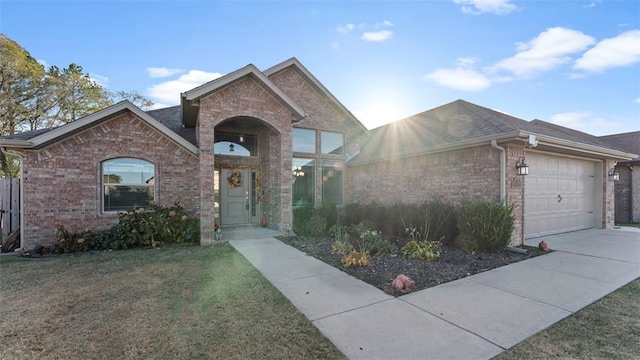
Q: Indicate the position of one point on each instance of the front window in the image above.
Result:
(127, 184)
(332, 182)
(332, 143)
(303, 171)
(304, 140)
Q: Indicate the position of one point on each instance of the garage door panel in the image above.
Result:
(558, 195)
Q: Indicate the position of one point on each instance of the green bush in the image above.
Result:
(421, 250)
(159, 226)
(307, 221)
(301, 216)
(340, 233)
(366, 240)
(485, 225)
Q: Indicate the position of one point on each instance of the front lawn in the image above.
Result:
(182, 302)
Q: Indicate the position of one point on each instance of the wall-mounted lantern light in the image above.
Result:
(231, 148)
(521, 167)
(613, 175)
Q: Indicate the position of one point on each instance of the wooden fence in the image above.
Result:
(9, 205)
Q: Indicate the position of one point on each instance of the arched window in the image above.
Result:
(127, 183)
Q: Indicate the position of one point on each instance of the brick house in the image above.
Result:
(247, 147)
(463, 150)
(627, 188)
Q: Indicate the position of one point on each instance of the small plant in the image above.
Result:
(356, 258)
(341, 248)
(371, 241)
(340, 233)
(421, 250)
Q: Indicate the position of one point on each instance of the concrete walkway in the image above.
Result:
(472, 318)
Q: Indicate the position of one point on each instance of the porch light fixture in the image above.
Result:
(231, 148)
(241, 138)
(521, 167)
(297, 171)
(613, 175)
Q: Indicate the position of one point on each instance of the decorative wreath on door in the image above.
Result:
(235, 180)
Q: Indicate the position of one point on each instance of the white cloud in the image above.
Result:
(99, 79)
(588, 122)
(460, 79)
(486, 6)
(621, 50)
(169, 91)
(546, 51)
(384, 23)
(345, 29)
(381, 35)
(159, 72)
(637, 100)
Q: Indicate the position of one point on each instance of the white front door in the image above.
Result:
(234, 195)
(559, 195)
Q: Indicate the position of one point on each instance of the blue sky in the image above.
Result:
(574, 63)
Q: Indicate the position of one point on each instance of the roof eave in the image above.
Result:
(47, 138)
(592, 150)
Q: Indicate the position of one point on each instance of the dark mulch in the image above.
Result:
(454, 264)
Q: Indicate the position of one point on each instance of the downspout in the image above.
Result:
(21, 157)
(503, 170)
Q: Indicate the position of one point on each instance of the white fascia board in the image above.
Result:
(582, 147)
(87, 121)
(249, 70)
(310, 77)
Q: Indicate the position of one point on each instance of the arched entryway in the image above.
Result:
(247, 181)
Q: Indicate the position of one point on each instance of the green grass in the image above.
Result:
(187, 302)
(608, 329)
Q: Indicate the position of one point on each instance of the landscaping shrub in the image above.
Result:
(356, 258)
(439, 222)
(329, 212)
(421, 250)
(371, 241)
(159, 226)
(307, 221)
(485, 225)
(340, 233)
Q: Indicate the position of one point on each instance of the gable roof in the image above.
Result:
(41, 138)
(189, 99)
(628, 141)
(315, 83)
(461, 124)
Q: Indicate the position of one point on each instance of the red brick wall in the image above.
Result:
(449, 176)
(246, 98)
(322, 114)
(62, 183)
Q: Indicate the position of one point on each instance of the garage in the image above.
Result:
(560, 195)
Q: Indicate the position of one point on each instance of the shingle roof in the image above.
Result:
(170, 117)
(628, 141)
(459, 122)
(27, 135)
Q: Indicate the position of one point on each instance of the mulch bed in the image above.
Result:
(381, 270)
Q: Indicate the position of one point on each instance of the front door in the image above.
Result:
(235, 196)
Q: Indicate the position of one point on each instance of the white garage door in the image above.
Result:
(559, 195)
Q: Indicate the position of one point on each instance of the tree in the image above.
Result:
(32, 97)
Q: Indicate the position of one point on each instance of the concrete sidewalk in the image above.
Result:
(472, 318)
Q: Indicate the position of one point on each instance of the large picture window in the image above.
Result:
(332, 182)
(127, 183)
(304, 140)
(332, 143)
(304, 173)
